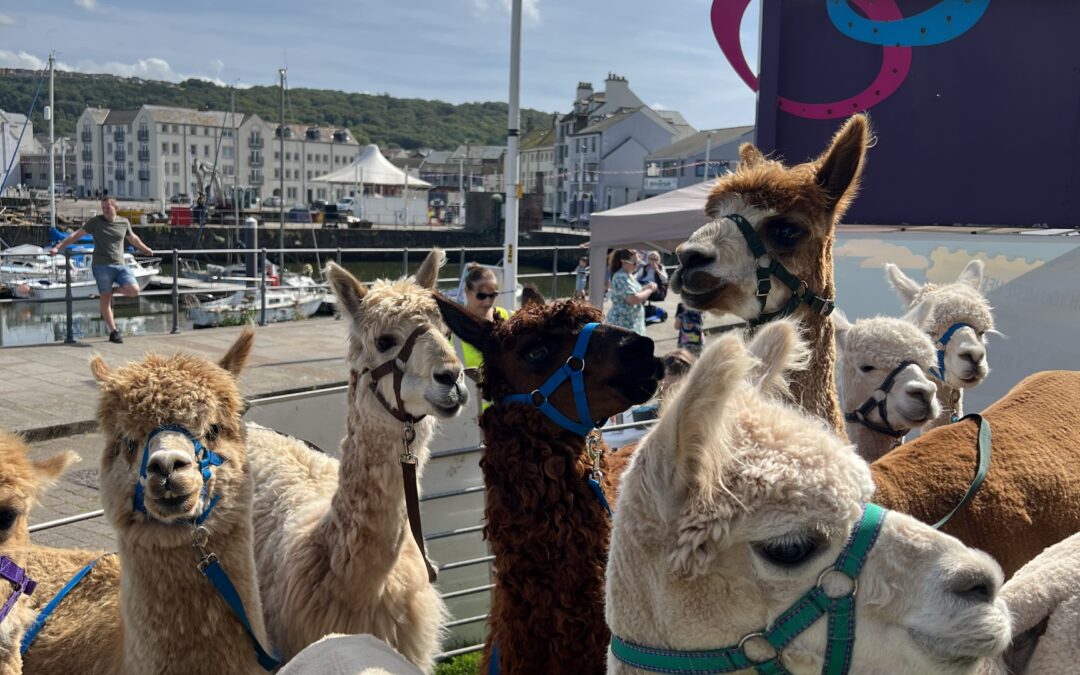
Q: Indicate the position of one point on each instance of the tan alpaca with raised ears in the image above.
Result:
(960, 302)
(333, 545)
(794, 212)
(735, 504)
(174, 621)
(872, 352)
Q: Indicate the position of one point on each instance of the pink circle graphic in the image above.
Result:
(895, 63)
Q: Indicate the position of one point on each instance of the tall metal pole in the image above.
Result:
(52, 146)
(708, 147)
(281, 176)
(236, 162)
(513, 189)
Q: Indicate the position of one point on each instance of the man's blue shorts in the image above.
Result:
(107, 275)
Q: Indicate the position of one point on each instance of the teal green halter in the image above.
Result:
(800, 616)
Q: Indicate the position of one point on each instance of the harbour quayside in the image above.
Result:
(53, 284)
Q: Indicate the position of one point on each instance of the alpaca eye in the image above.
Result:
(7, 518)
(785, 234)
(866, 369)
(788, 551)
(537, 354)
(212, 433)
(385, 342)
(129, 445)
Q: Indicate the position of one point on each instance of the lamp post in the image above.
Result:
(509, 298)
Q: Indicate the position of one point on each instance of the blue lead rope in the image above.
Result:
(600, 496)
(43, 615)
(224, 587)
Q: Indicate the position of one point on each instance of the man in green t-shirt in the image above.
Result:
(109, 232)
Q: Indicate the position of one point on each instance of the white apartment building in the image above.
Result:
(156, 152)
(682, 163)
(537, 161)
(11, 127)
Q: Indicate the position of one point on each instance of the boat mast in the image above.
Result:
(513, 189)
(281, 171)
(52, 146)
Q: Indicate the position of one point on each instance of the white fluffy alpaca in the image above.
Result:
(884, 387)
(733, 507)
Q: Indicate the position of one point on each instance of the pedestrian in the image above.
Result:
(627, 295)
(199, 210)
(653, 271)
(581, 278)
(481, 290)
(689, 323)
(109, 232)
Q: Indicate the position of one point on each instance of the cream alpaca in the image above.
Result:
(174, 621)
(332, 539)
(964, 353)
(734, 505)
(884, 360)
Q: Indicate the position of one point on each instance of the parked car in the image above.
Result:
(319, 205)
(272, 202)
(345, 204)
(181, 198)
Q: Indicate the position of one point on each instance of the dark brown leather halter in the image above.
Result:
(396, 368)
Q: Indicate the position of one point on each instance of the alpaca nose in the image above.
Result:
(920, 392)
(448, 376)
(973, 355)
(690, 257)
(167, 462)
(976, 586)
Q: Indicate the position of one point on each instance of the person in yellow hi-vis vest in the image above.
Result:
(481, 290)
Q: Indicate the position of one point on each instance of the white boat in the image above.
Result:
(27, 261)
(54, 287)
(282, 304)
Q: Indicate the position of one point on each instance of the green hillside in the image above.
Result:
(381, 119)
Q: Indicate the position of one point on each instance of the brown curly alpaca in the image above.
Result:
(548, 531)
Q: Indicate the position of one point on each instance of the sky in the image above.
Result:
(450, 50)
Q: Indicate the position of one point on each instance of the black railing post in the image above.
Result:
(69, 337)
(554, 274)
(339, 256)
(405, 262)
(262, 290)
(175, 291)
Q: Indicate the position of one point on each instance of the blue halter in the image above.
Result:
(572, 370)
(207, 458)
(944, 341)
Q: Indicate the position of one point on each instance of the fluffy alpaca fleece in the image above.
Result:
(1044, 601)
(1028, 500)
(174, 621)
(871, 349)
(946, 305)
(794, 212)
(333, 542)
(83, 635)
(733, 506)
(547, 530)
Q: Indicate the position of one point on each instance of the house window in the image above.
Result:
(309, 157)
(176, 148)
(206, 131)
(164, 148)
(593, 139)
(277, 173)
(108, 148)
(192, 130)
(176, 169)
(227, 152)
(167, 168)
(164, 128)
(309, 175)
(206, 151)
(194, 151)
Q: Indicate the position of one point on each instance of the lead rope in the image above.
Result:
(594, 450)
(412, 498)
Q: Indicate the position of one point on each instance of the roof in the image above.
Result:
(480, 152)
(97, 114)
(696, 143)
(439, 156)
(540, 138)
(121, 116)
(608, 122)
(371, 168)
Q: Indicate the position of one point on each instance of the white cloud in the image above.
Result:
(530, 9)
(217, 65)
(20, 60)
(7, 20)
(88, 5)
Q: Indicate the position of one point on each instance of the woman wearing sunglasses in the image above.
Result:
(481, 292)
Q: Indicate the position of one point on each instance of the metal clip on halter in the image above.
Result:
(408, 435)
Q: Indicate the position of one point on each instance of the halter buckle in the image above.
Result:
(854, 581)
(758, 637)
(576, 360)
(537, 397)
(200, 536)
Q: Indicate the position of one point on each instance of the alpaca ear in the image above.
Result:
(99, 368)
(464, 324)
(47, 470)
(921, 314)
(840, 167)
(428, 274)
(749, 155)
(693, 426)
(779, 349)
(530, 295)
(841, 326)
(350, 292)
(972, 274)
(237, 356)
(906, 287)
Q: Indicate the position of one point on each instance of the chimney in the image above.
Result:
(584, 90)
(617, 92)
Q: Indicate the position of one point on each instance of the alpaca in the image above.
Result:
(546, 525)
(769, 222)
(21, 482)
(332, 538)
(175, 485)
(958, 320)
(736, 506)
(794, 211)
(882, 366)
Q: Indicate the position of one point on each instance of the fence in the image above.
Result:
(462, 529)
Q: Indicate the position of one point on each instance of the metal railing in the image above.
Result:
(466, 528)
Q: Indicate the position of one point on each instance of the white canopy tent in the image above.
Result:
(371, 168)
(662, 222)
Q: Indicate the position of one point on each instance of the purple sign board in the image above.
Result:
(975, 103)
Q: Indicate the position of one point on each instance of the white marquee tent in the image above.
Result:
(662, 222)
(371, 168)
